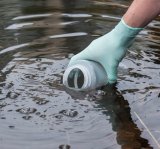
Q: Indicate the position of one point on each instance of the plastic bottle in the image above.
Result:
(84, 75)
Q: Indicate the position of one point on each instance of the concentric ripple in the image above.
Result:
(37, 40)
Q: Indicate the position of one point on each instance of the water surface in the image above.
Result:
(37, 39)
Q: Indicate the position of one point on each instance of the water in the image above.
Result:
(37, 38)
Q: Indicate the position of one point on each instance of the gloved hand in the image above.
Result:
(109, 49)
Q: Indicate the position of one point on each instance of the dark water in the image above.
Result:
(37, 38)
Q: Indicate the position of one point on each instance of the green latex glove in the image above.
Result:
(109, 49)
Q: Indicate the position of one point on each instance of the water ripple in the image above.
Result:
(37, 111)
(18, 26)
(77, 15)
(69, 35)
(12, 48)
(31, 16)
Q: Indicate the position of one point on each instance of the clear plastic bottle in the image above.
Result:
(84, 75)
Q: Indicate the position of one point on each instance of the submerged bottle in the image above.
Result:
(85, 75)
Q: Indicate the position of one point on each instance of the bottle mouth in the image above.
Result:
(77, 77)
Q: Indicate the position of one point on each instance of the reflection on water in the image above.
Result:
(36, 111)
(117, 108)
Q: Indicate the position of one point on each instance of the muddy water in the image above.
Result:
(37, 39)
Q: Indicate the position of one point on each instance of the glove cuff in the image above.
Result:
(123, 29)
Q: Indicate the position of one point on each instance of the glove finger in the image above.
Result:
(84, 55)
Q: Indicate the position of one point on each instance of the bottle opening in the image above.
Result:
(75, 78)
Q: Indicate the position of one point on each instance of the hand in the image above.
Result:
(109, 49)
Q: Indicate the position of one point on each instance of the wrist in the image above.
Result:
(124, 33)
(134, 21)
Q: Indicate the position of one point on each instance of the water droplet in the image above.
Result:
(100, 92)
(30, 76)
(87, 97)
(12, 95)
(26, 110)
(58, 116)
(42, 68)
(27, 117)
(40, 101)
(38, 113)
(70, 112)
(91, 99)
(2, 104)
(42, 116)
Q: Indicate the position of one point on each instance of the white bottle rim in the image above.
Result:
(87, 77)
